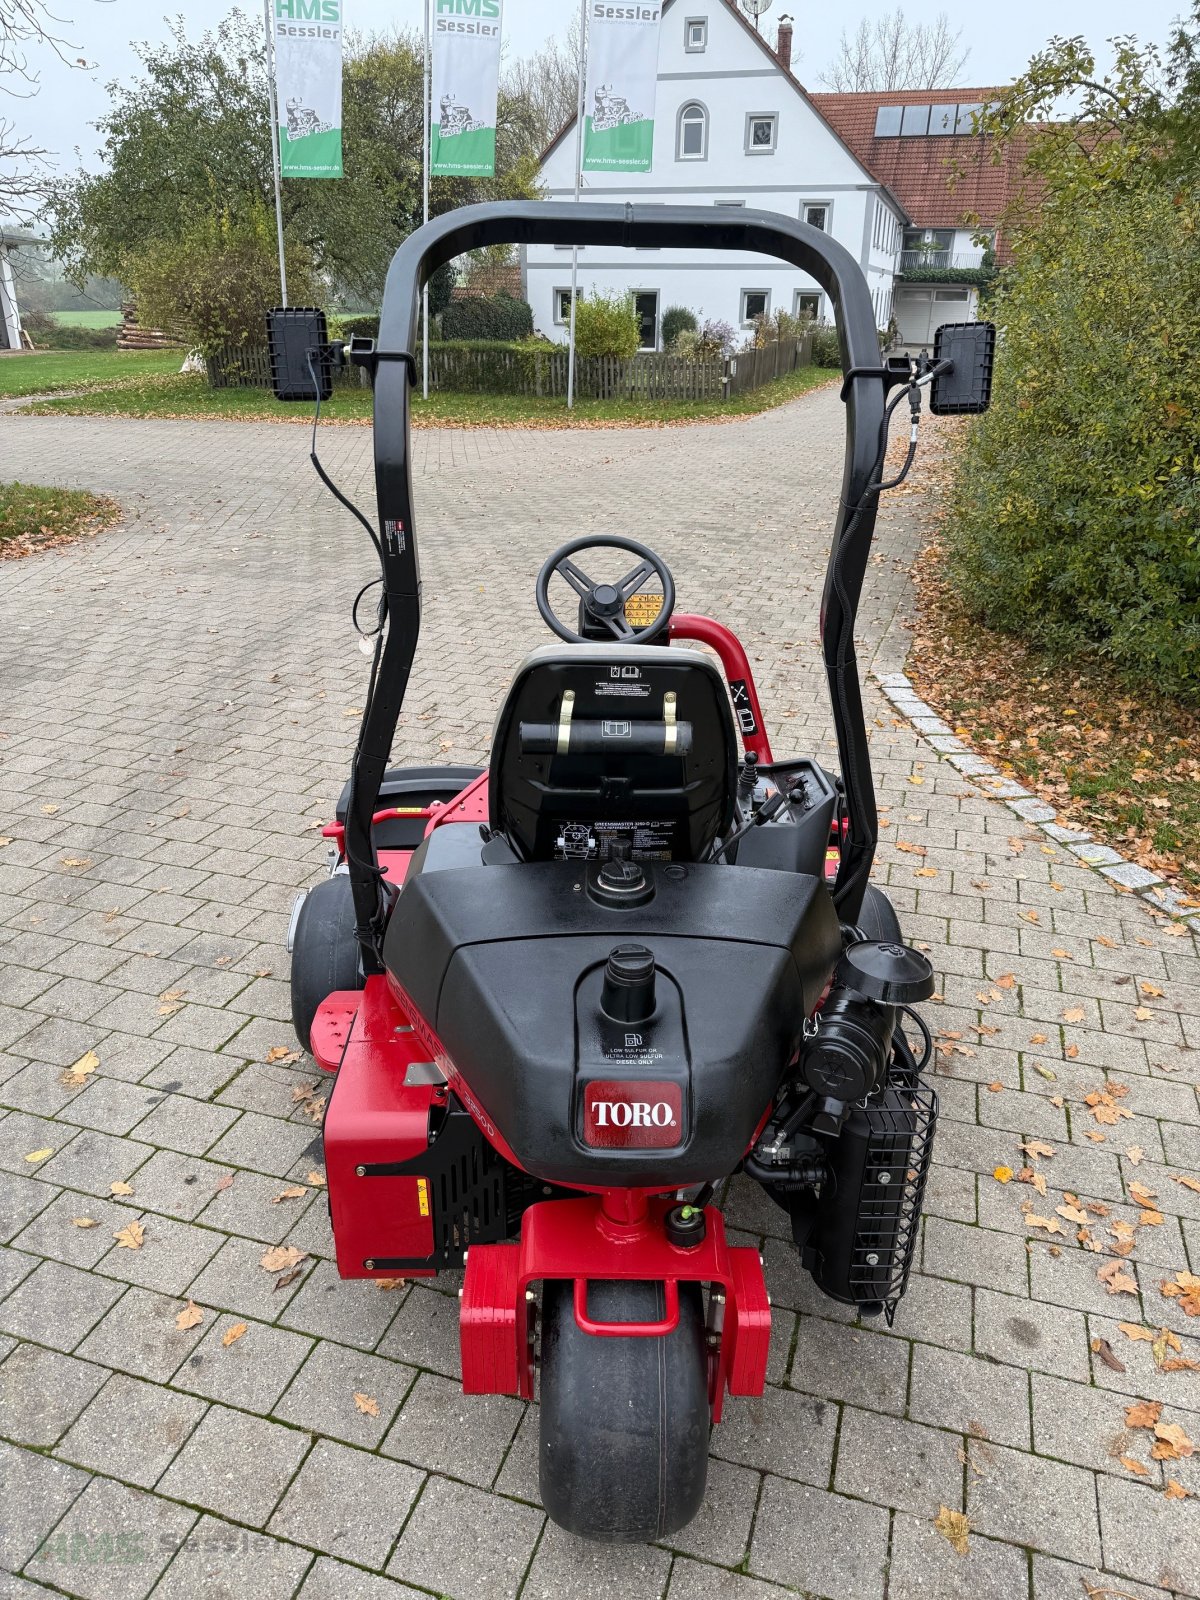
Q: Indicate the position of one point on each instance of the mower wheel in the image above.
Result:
(324, 951)
(624, 1421)
(878, 919)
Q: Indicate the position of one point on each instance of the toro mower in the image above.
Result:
(567, 996)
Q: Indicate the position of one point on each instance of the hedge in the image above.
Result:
(495, 317)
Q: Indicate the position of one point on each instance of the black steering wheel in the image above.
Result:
(604, 603)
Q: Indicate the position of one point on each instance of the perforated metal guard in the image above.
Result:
(899, 1149)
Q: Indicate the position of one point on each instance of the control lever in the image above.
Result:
(771, 807)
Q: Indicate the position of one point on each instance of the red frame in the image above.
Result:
(736, 666)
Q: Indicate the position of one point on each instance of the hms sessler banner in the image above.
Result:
(622, 70)
(308, 87)
(466, 75)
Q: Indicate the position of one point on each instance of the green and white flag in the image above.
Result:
(622, 69)
(466, 73)
(308, 87)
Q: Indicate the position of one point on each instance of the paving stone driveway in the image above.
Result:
(178, 704)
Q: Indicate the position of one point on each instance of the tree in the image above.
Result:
(24, 23)
(190, 138)
(539, 93)
(893, 53)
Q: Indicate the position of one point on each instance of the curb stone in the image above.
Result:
(989, 780)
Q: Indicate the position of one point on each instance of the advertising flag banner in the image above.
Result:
(622, 68)
(308, 87)
(466, 74)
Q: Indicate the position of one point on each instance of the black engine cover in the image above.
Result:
(506, 964)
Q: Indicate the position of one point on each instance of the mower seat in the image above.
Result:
(599, 746)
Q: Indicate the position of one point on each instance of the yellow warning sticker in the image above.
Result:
(641, 609)
(423, 1196)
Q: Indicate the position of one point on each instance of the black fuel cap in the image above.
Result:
(628, 992)
(619, 882)
(894, 974)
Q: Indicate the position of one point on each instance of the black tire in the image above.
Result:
(624, 1422)
(324, 951)
(878, 919)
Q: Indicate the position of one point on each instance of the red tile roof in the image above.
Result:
(939, 179)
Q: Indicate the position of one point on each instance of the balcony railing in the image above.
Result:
(941, 260)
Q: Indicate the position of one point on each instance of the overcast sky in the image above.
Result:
(1001, 38)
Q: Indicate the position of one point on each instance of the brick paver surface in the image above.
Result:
(178, 703)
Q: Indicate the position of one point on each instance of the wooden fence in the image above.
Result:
(534, 370)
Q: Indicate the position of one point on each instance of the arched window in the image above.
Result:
(691, 140)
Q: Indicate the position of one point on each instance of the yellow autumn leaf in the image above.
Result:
(190, 1317)
(1003, 1174)
(131, 1236)
(366, 1405)
(954, 1528)
(40, 1155)
(233, 1334)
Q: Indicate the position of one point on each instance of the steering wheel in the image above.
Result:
(604, 603)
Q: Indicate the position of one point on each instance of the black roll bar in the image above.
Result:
(393, 372)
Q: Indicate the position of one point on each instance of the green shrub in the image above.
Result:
(677, 320)
(607, 325)
(47, 334)
(826, 351)
(1078, 497)
(354, 327)
(487, 317)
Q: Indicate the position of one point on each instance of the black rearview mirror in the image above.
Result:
(298, 340)
(966, 389)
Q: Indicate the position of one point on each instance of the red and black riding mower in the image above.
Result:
(568, 996)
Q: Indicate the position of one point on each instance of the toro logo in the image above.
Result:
(638, 1115)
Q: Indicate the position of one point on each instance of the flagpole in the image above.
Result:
(425, 213)
(579, 110)
(275, 149)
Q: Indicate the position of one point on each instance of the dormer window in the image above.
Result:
(691, 139)
(695, 35)
(761, 133)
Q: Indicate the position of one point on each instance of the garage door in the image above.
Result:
(920, 312)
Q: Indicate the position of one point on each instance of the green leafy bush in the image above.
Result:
(826, 351)
(218, 279)
(355, 327)
(1075, 514)
(607, 325)
(677, 320)
(487, 317)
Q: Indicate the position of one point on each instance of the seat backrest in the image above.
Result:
(599, 745)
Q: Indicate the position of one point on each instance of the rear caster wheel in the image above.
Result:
(325, 952)
(624, 1421)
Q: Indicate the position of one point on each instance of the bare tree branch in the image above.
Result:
(24, 23)
(893, 53)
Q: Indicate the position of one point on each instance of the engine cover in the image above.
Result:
(507, 964)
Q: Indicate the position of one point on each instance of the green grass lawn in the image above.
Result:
(150, 394)
(45, 371)
(87, 319)
(31, 517)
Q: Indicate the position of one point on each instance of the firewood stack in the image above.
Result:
(134, 337)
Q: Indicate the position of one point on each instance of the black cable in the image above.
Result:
(324, 476)
(923, 1028)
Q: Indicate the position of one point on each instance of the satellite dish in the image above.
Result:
(756, 7)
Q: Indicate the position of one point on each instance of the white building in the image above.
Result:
(733, 127)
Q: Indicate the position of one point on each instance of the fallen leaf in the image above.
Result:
(40, 1155)
(1037, 1038)
(1036, 1148)
(190, 1317)
(1131, 1465)
(390, 1283)
(1143, 1196)
(1063, 955)
(1142, 1014)
(82, 1070)
(1005, 981)
(1135, 1154)
(130, 1237)
(120, 1188)
(225, 1181)
(1176, 1491)
(1002, 1174)
(1109, 944)
(233, 1334)
(84, 1222)
(1073, 1214)
(1050, 1224)
(288, 1277)
(1073, 1014)
(1106, 1353)
(1029, 916)
(1176, 1440)
(1184, 1287)
(1143, 1413)
(996, 1087)
(281, 1052)
(1071, 1052)
(1134, 1331)
(1044, 1071)
(1188, 1182)
(281, 1256)
(292, 1193)
(366, 1405)
(954, 1528)
(1152, 990)
(316, 1180)
(1116, 1280)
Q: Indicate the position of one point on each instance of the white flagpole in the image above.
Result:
(579, 110)
(275, 148)
(425, 187)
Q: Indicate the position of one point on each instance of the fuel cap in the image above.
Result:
(619, 882)
(628, 992)
(894, 974)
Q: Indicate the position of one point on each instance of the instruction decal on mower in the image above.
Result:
(631, 1115)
